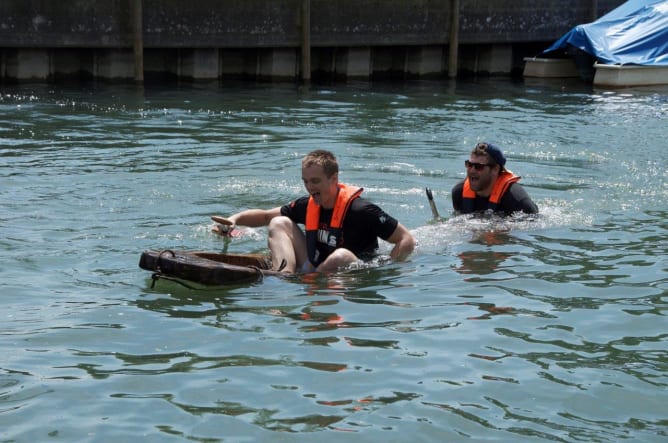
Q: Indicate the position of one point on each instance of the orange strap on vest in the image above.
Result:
(332, 233)
(344, 198)
(501, 185)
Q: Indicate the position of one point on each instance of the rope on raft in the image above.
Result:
(159, 275)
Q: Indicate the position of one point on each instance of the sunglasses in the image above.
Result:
(476, 166)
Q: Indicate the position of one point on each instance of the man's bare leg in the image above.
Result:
(336, 260)
(286, 242)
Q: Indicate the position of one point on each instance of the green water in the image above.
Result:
(550, 330)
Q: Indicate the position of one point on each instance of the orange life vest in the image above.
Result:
(501, 185)
(330, 234)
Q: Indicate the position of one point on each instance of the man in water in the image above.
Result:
(489, 187)
(340, 226)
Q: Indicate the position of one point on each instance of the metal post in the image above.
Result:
(138, 39)
(453, 54)
(594, 10)
(306, 40)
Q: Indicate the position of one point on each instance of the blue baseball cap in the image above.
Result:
(496, 153)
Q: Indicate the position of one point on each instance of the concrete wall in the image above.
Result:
(46, 39)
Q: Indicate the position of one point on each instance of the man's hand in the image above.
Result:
(224, 227)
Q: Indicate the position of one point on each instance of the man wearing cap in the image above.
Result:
(489, 187)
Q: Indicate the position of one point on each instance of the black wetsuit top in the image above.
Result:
(363, 224)
(515, 199)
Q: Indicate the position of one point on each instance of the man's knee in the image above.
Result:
(344, 255)
(338, 259)
(281, 223)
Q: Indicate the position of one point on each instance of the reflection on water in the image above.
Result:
(527, 329)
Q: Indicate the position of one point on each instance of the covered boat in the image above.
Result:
(206, 268)
(626, 47)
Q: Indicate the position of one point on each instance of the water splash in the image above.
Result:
(437, 236)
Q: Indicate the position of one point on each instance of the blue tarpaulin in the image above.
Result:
(634, 33)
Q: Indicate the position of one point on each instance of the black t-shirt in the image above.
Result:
(515, 199)
(363, 224)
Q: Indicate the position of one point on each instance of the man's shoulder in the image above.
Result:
(363, 209)
(517, 199)
(297, 204)
(458, 188)
(301, 201)
(361, 205)
(516, 191)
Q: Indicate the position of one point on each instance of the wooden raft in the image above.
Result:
(206, 268)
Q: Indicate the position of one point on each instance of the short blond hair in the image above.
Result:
(323, 158)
